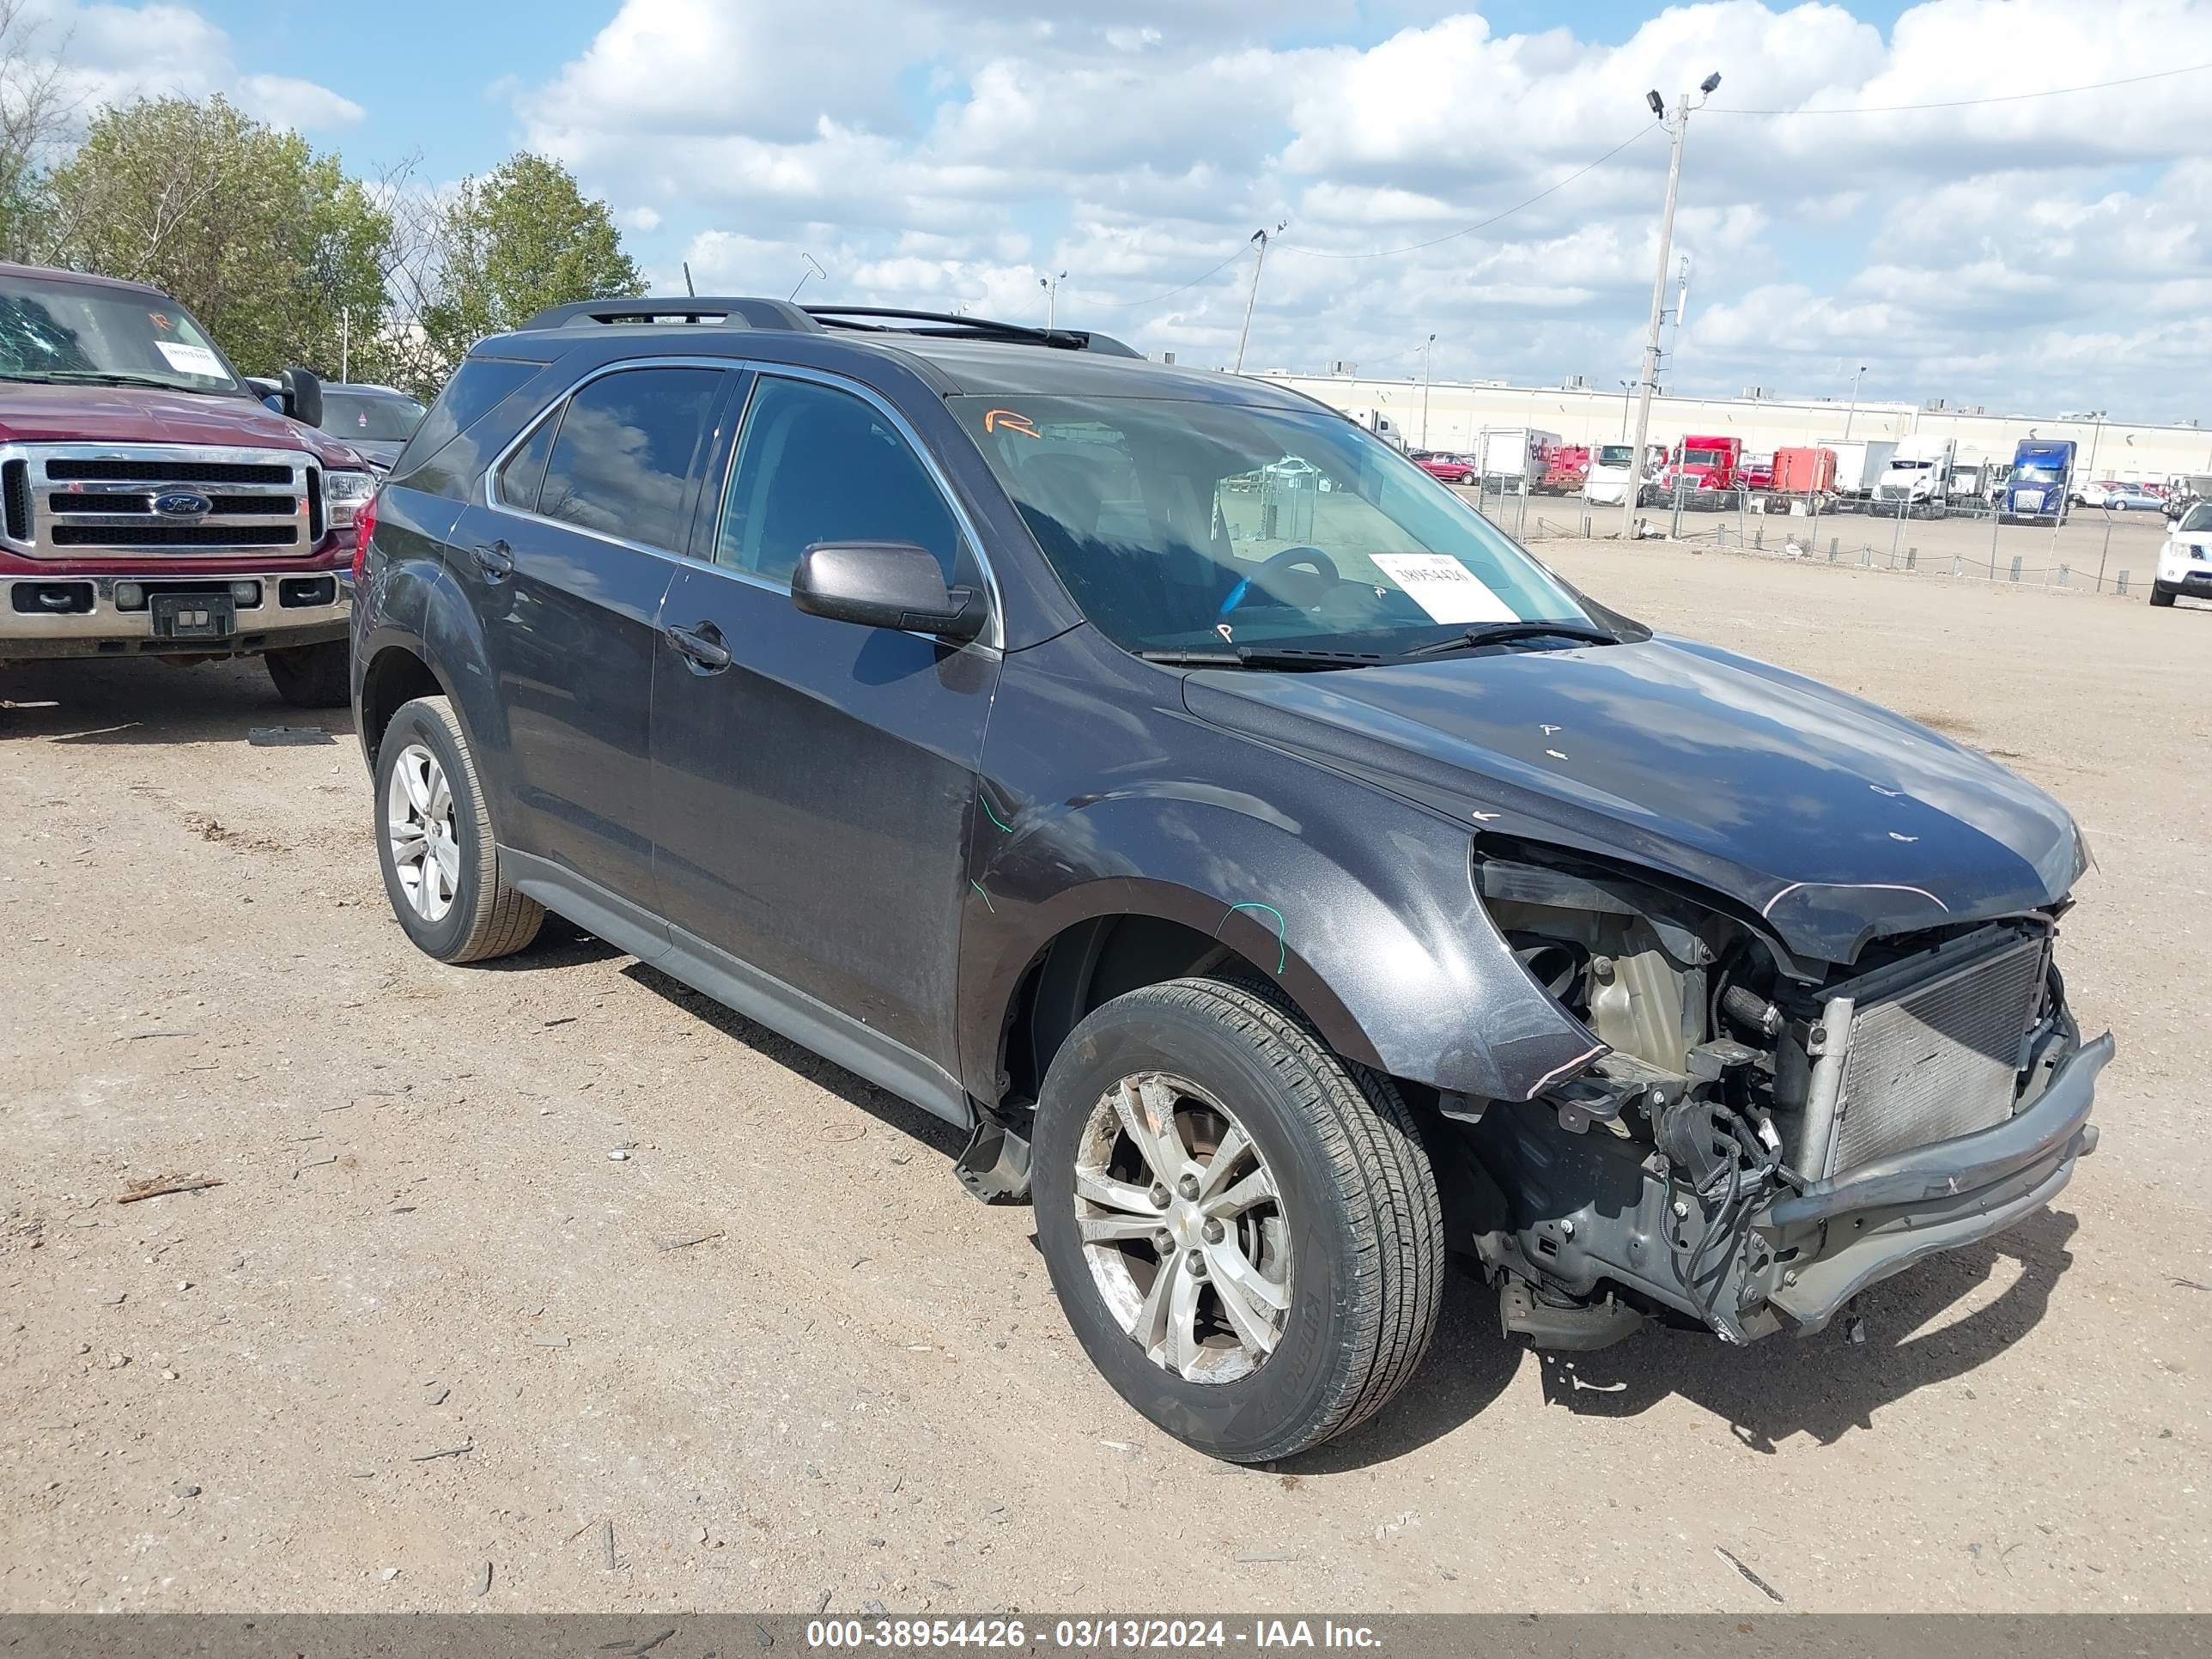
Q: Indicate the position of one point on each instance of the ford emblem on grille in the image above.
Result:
(182, 504)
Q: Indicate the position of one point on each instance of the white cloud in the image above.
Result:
(113, 54)
(938, 152)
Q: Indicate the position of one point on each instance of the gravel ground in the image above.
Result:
(431, 1344)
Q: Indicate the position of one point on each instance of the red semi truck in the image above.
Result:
(151, 504)
(1704, 464)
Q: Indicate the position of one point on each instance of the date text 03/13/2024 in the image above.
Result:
(1263, 1636)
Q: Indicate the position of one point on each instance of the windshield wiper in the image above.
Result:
(1507, 633)
(1262, 656)
(111, 377)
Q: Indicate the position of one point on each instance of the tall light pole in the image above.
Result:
(1051, 287)
(1851, 413)
(1626, 387)
(1676, 129)
(1428, 367)
(1259, 237)
(813, 268)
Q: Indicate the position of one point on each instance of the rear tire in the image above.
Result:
(1344, 1261)
(435, 843)
(311, 676)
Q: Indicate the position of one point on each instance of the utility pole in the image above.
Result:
(1650, 383)
(1252, 299)
(1428, 368)
(1852, 412)
(1051, 287)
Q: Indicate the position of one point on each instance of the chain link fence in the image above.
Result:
(1867, 535)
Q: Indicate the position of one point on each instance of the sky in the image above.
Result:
(2035, 254)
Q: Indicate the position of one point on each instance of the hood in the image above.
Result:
(31, 413)
(1833, 819)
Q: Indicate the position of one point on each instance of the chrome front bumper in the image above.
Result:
(106, 629)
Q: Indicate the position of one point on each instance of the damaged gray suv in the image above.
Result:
(1284, 881)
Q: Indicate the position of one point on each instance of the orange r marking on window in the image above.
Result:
(1011, 420)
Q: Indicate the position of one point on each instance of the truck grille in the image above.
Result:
(1940, 1058)
(164, 499)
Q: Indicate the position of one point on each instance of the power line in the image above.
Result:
(1124, 305)
(1968, 103)
(1415, 247)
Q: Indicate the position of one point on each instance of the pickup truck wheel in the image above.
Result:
(311, 676)
(435, 842)
(2161, 595)
(1242, 1227)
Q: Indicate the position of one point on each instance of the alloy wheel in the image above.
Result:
(418, 813)
(1183, 1228)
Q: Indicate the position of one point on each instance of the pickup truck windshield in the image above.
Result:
(1172, 522)
(1614, 455)
(2198, 517)
(83, 333)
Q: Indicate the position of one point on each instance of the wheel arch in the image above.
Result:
(1091, 961)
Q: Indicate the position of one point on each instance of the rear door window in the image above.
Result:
(521, 473)
(629, 447)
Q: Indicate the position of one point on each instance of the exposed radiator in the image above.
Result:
(1939, 1058)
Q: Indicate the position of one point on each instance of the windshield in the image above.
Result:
(2198, 517)
(54, 329)
(1910, 467)
(385, 417)
(2034, 472)
(1614, 455)
(1701, 458)
(1171, 522)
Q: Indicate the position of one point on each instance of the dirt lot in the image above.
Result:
(429, 1328)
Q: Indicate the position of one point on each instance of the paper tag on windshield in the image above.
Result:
(192, 360)
(1444, 587)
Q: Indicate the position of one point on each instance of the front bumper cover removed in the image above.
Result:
(1882, 1217)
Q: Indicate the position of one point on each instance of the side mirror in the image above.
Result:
(892, 585)
(302, 395)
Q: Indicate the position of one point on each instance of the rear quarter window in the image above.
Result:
(433, 461)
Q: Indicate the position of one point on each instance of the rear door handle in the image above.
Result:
(495, 559)
(701, 646)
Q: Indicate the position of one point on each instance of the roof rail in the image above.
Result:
(730, 310)
(957, 326)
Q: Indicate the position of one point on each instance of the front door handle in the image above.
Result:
(495, 559)
(700, 646)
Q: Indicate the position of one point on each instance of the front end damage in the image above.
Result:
(1763, 1136)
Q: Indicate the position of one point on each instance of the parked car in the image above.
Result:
(2184, 562)
(1279, 917)
(1448, 468)
(150, 505)
(2130, 498)
(376, 420)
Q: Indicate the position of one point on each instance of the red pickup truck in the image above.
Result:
(152, 505)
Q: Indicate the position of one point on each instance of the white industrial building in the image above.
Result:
(1447, 415)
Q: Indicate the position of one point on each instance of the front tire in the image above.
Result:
(1242, 1227)
(435, 843)
(2161, 595)
(310, 676)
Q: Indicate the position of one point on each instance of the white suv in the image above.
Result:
(2184, 561)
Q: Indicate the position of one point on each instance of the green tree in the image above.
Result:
(272, 246)
(512, 242)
